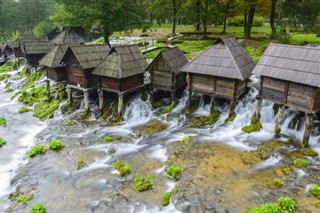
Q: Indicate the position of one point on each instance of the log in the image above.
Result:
(48, 88)
(307, 130)
(258, 107)
(69, 91)
(120, 103)
(101, 100)
(277, 128)
(86, 99)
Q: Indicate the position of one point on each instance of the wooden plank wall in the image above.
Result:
(109, 83)
(225, 88)
(51, 73)
(300, 97)
(273, 90)
(181, 81)
(76, 76)
(241, 87)
(91, 80)
(162, 80)
(131, 82)
(61, 73)
(18, 52)
(33, 60)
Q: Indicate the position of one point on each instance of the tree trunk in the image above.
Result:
(225, 18)
(205, 19)
(247, 33)
(106, 37)
(272, 18)
(198, 6)
(174, 23)
(245, 18)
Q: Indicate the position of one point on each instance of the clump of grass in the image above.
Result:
(174, 171)
(254, 126)
(232, 116)
(4, 76)
(108, 139)
(309, 152)
(56, 144)
(168, 108)
(8, 90)
(167, 196)
(300, 163)
(3, 121)
(285, 204)
(2, 142)
(203, 121)
(277, 182)
(122, 168)
(141, 183)
(315, 190)
(80, 164)
(36, 150)
(185, 140)
(23, 198)
(24, 110)
(45, 109)
(37, 208)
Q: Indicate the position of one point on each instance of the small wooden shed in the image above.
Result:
(35, 50)
(18, 47)
(5, 51)
(121, 72)
(53, 33)
(80, 60)
(290, 76)
(165, 71)
(220, 71)
(70, 35)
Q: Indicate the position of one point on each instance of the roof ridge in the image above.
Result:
(293, 46)
(234, 61)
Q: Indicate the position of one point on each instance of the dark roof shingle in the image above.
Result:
(37, 47)
(54, 57)
(70, 35)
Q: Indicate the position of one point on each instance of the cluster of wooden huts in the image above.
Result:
(290, 75)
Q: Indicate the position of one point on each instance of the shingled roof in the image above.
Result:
(37, 47)
(70, 35)
(225, 58)
(89, 56)
(54, 57)
(173, 57)
(291, 63)
(18, 43)
(122, 62)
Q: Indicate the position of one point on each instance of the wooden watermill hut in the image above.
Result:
(290, 77)
(53, 33)
(165, 71)
(70, 35)
(80, 60)
(121, 72)
(35, 50)
(6, 51)
(221, 71)
(18, 47)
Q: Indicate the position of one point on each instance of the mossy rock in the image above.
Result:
(151, 127)
(203, 121)
(277, 183)
(301, 163)
(141, 183)
(255, 125)
(2, 142)
(45, 109)
(309, 152)
(167, 196)
(168, 108)
(122, 168)
(24, 110)
(232, 116)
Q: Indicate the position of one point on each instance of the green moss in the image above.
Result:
(36, 150)
(317, 204)
(8, 90)
(185, 140)
(174, 171)
(45, 109)
(2, 142)
(300, 163)
(68, 123)
(315, 190)
(31, 78)
(37, 208)
(56, 144)
(122, 168)
(6, 68)
(144, 95)
(188, 110)
(108, 138)
(275, 108)
(254, 126)
(4, 76)
(167, 196)
(33, 96)
(80, 164)
(3, 121)
(152, 54)
(23, 198)
(287, 204)
(309, 152)
(168, 108)
(277, 182)
(24, 109)
(232, 116)
(265, 208)
(203, 121)
(277, 130)
(141, 183)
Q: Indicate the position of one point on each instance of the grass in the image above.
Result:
(23, 199)
(141, 183)
(122, 168)
(3, 121)
(36, 150)
(315, 190)
(56, 144)
(45, 108)
(4, 76)
(167, 196)
(2, 142)
(37, 208)
(174, 171)
(24, 110)
(300, 163)
(108, 139)
(154, 53)
(284, 205)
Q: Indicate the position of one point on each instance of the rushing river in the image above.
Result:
(55, 180)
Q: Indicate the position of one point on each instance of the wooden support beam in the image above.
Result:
(277, 128)
(48, 88)
(307, 130)
(120, 103)
(173, 97)
(101, 100)
(86, 99)
(189, 90)
(56, 94)
(69, 91)
(212, 103)
(258, 107)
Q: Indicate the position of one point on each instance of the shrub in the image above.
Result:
(56, 144)
(2, 142)
(238, 21)
(300, 163)
(141, 183)
(174, 171)
(3, 121)
(37, 149)
(24, 109)
(37, 208)
(287, 204)
(185, 140)
(108, 138)
(23, 199)
(315, 190)
(122, 168)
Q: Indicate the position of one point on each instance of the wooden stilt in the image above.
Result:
(307, 130)
(101, 100)
(189, 90)
(277, 128)
(212, 103)
(86, 99)
(56, 94)
(173, 97)
(48, 88)
(120, 103)
(258, 107)
(69, 91)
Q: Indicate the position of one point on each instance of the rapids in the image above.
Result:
(54, 179)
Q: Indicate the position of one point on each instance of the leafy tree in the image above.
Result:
(42, 28)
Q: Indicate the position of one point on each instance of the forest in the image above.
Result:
(103, 18)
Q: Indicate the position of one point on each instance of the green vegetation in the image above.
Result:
(24, 109)
(232, 116)
(167, 196)
(174, 171)
(3, 121)
(2, 142)
(168, 108)
(277, 182)
(56, 144)
(45, 109)
(37, 208)
(23, 198)
(203, 121)
(153, 53)
(36, 150)
(80, 164)
(122, 168)
(141, 183)
(254, 126)
(33, 96)
(4, 76)
(309, 152)
(284, 205)
(108, 139)
(238, 21)
(8, 90)
(6, 68)
(317, 204)
(186, 140)
(300, 163)
(315, 190)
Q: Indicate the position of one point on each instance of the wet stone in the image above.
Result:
(111, 150)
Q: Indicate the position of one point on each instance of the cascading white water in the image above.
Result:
(138, 112)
